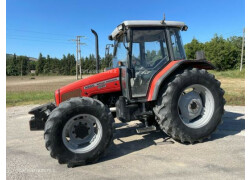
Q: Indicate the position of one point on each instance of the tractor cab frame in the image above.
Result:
(141, 50)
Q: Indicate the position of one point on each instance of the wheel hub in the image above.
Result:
(81, 130)
(196, 106)
(190, 105)
(193, 105)
(82, 133)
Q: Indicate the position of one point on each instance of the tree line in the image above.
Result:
(223, 53)
(22, 65)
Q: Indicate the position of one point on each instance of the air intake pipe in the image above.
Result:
(97, 50)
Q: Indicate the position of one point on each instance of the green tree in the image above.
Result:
(192, 47)
(31, 66)
(46, 67)
(221, 53)
(106, 62)
(11, 66)
(236, 42)
(22, 65)
(40, 64)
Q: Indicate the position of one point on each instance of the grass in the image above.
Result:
(233, 83)
(25, 98)
(230, 74)
(24, 91)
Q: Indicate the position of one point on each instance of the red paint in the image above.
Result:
(57, 97)
(158, 76)
(80, 84)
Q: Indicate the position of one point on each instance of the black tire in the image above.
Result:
(59, 117)
(167, 111)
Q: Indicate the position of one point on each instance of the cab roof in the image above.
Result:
(144, 23)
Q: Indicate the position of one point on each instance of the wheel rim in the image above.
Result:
(82, 133)
(196, 106)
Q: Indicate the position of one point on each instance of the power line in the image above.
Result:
(38, 32)
(37, 37)
(39, 40)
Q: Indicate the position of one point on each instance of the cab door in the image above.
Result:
(120, 59)
(149, 55)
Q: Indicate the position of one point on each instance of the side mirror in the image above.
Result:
(184, 28)
(199, 55)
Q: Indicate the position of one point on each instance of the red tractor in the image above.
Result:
(149, 80)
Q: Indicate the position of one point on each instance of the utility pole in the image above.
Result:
(242, 49)
(77, 58)
(78, 55)
(21, 66)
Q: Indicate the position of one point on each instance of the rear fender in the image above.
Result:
(171, 68)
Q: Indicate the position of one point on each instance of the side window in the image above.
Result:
(136, 57)
(149, 48)
(177, 44)
(155, 51)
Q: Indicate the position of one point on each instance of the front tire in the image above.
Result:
(190, 106)
(79, 131)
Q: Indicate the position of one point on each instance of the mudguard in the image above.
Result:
(41, 114)
(172, 67)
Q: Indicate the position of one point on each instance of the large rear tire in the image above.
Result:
(79, 131)
(190, 106)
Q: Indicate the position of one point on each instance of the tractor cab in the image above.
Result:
(143, 48)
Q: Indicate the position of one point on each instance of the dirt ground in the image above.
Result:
(40, 83)
(133, 156)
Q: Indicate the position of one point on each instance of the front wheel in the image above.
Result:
(79, 131)
(190, 106)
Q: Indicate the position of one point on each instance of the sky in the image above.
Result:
(48, 26)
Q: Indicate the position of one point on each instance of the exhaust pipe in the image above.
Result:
(97, 50)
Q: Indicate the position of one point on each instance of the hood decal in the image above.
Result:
(101, 84)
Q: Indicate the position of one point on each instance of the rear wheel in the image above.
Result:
(190, 106)
(79, 131)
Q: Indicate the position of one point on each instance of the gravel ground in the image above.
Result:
(132, 156)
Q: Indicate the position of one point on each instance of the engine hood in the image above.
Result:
(101, 83)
